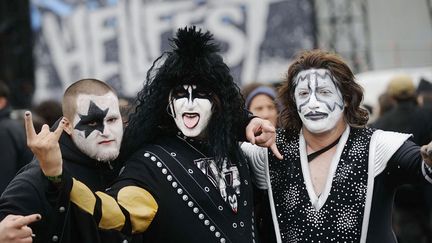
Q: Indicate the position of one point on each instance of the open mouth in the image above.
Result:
(314, 116)
(191, 120)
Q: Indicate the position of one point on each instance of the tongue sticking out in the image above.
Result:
(190, 120)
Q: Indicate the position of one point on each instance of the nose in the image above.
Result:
(265, 113)
(105, 131)
(190, 103)
(313, 103)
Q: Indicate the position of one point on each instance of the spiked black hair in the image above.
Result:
(194, 58)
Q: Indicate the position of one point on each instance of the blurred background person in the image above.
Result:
(127, 106)
(13, 146)
(49, 110)
(260, 99)
(386, 103)
(407, 116)
(424, 92)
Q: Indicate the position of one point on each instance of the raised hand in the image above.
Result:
(45, 146)
(426, 152)
(14, 228)
(262, 133)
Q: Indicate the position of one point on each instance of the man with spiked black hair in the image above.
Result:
(193, 63)
(185, 178)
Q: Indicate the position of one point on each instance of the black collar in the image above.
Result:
(315, 154)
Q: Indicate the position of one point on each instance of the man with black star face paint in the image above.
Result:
(89, 144)
(337, 179)
(97, 128)
(185, 178)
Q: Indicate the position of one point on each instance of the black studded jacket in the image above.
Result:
(163, 193)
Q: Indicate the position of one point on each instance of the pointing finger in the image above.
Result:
(26, 220)
(275, 151)
(30, 131)
(250, 136)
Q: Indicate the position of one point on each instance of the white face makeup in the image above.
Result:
(191, 108)
(97, 126)
(319, 101)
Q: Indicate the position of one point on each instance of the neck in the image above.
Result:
(317, 141)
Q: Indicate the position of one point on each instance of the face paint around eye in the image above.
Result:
(93, 120)
(319, 101)
(98, 127)
(179, 92)
(191, 112)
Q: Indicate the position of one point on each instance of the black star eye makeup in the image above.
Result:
(93, 120)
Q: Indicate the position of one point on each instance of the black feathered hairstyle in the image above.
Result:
(194, 59)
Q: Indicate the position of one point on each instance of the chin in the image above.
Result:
(191, 133)
(107, 156)
(318, 129)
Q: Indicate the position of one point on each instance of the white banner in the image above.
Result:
(117, 40)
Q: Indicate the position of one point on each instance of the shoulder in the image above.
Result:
(144, 159)
(389, 140)
(383, 145)
(12, 125)
(29, 178)
(25, 191)
(30, 172)
(144, 150)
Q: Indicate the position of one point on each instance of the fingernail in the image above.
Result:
(27, 113)
(33, 235)
(38, 217)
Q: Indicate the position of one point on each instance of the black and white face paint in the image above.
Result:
(191, 108)
(97, 126)
(319, 101)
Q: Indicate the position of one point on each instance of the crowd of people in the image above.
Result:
(197, 159)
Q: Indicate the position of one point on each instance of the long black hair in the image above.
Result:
(194, 58)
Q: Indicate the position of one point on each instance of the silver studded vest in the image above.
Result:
(340, 217)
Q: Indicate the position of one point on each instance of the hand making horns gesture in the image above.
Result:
(45, 145)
